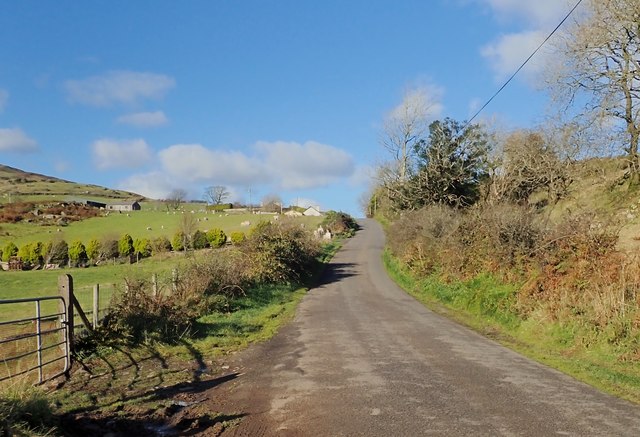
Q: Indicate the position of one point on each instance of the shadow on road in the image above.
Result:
(335, 272)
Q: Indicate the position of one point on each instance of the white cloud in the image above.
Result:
(15, 140)
(509, 51)
(284, 165)
(4, 98)
(155, 185)
(109, 153)
(309, 165)
(195, 163)
(118, 87)
(144, 119)
(537, 18)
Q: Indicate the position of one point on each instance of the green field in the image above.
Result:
(136, 224)
(23, 284)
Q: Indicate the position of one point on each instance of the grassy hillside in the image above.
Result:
(19, 184)
(600, 189)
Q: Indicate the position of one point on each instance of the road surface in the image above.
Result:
(362, 358)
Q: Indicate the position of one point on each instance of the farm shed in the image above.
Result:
(96, 204)
(312, 211)
(124, 206)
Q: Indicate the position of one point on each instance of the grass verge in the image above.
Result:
(143, 382)
(25, 411)
(483, 304)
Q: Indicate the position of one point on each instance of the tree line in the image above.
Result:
(595, 88)
(76, 253)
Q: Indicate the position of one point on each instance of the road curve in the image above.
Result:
(362, 358)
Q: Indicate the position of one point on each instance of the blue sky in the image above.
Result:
(284, 97)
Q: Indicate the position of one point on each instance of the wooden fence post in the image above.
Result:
(154, 284)
(96, 305)
(174, 280)
(65, 290)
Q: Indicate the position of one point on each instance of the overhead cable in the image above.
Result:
(524, 63)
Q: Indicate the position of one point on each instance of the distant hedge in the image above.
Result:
(220, 207)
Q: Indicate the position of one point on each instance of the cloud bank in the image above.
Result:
(278, 165)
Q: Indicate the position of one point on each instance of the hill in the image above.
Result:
(19, 184)
(599, 189)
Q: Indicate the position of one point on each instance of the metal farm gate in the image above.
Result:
(34, 336)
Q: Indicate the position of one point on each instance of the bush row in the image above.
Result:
(273, 253)
(78, 254)
(566, 271)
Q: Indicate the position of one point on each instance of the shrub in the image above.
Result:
(138, 315)
(340, 223)
(142, 247)
(31, 254)
(280, 252)
(273, 253)
(228, 274)
(10, 250)
(216, 237)
(77, 253)
(220, 207)
(160, 245)
(93, 250)
(58, 253)
(200, 240)
(177, 242)
(237, 237)
(419, 237)
(125, 245)
(46, 250)
(109, 249)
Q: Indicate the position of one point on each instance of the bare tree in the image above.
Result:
(272, 203)
(600, 71)
(404, 127)
(529, 163)
(175, 198)
(216, 194)
(188, 227)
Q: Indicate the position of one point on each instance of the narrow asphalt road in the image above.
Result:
(362, 358)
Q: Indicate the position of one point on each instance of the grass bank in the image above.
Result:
(486, 305)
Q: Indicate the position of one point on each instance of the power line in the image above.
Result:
(524, 63)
